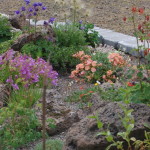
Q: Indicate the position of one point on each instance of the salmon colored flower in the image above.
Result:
(94, 63)
(91, 91)
(81, 95)
(87, 67)
(81, 88)
(109, 73)
(93, 69)
(130, 84)
(134, 9)
(141, 10)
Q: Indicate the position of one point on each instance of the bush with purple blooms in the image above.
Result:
(22, 70)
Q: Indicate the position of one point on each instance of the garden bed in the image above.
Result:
(59, 82)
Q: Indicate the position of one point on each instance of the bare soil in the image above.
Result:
(105, 13)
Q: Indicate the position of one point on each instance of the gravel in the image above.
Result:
(105, 13)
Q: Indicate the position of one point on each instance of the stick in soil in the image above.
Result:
(44, 114)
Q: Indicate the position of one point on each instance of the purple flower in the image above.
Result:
(45, 23)
(82, 28)
(17, 12)
(35, 4)
(80, 21)
(30, 9)
(9, 80)
(34, 13)
(27, 2)
(15, 86)
(51, 20)
(43, 8)
(40, 4)
(23, 8)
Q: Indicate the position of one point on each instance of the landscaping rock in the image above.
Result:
(19, 21)
(56, 111)
(82, 135)
(27, 38)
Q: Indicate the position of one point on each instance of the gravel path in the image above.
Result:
(106, 13)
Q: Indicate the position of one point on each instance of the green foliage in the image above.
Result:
(51, 145)
(18, 119)
(18, 126)
(91, 35)
(132, 94)
(4, 46)
(69, 35)
(106, 65)
(128, 124)
(60, 57)
(4, 27)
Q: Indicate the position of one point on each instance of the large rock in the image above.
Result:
(27, 38)
(24, 39)
(56, 113)
(82, 135)
(19, 22)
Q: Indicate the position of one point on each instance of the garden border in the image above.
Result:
(119, 41)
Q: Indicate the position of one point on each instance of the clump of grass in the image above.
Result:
(50, 145)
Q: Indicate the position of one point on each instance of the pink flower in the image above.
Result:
(93, 69)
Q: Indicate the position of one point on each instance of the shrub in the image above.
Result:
(60, 57)
(5, 45)
(5, 28)
(91, 68)
(69, 35)
(18, 125)
(92, 37)
(23, 70)
(51, 145)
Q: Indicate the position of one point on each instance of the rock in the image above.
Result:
(19, 22)
(63, 123)
(25, 38)
(61, 116)
(82, 135)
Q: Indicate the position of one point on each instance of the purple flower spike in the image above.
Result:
(17, 12)
(40, 4)
(15, 86)
(23, 8)
(43, 8)
(34, 13)
(30, 9)
(35, 4)
(45, 23)
(80, 21)
(27, 2)
(51, 20)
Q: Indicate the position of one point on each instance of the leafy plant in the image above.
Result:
(92, 37)
(18, 125)
(128, 124)
(60, 57)
(5, 45)
(5, 28)
(51, 145)
(69, 35)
